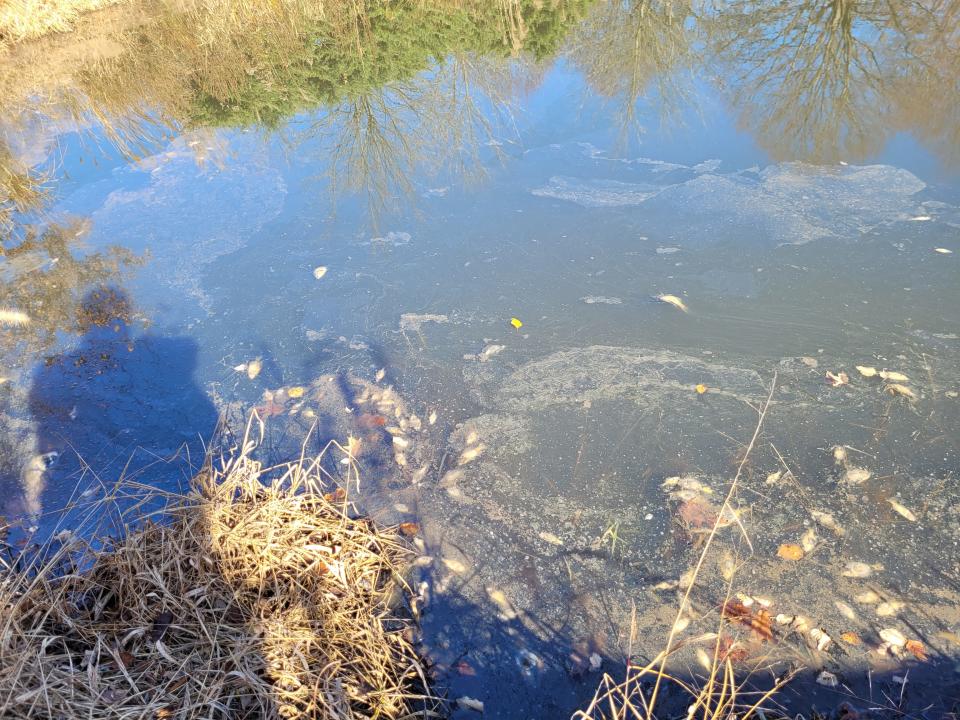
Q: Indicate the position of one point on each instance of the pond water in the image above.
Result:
(684, 207)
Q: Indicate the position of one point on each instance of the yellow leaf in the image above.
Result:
(516, 322)
(866, 370)
(851, 638)
(673, 300)
(893, 376)
(295, 392)
(700, 388)
(254, 367)
(319, 271)
(789, 551)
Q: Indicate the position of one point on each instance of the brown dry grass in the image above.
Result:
(251, 596)
(28, 19)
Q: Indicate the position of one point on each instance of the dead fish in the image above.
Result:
(673, 300)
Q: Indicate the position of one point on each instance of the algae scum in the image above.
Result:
(546, 264)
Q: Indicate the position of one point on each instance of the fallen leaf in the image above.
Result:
(700, 388)
(867, 598)
(902, 390)
(894, 376)
(828, 521)
(905, 512)
(353, 446)
(319, 271)
(839, 454)
(856, 569)
(673, 300)
(821, 640)
(178, 683)
(336, 496)
(888, 608)
(845, 610)
(254, 367)
(774, 477)
(893, 636)
(856, 475)
(851, 638)
(516, 322)
(809, 540)
(454, 565)
(550, 538)
(839, 379)
(410, 529)
(789, 551)
(470, 703)
(381, 373)
(827, 679)
(866, 370)
(918, 649)
(433, 417)
(295, 392)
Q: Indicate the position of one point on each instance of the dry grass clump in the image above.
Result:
(252, 596)
(26, 19)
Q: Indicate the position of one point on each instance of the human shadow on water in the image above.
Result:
(118, 404)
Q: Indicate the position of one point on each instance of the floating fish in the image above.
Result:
(943, 251)
(673, 300)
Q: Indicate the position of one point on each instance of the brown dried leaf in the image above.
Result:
(918, 649)
(841, 378)
(851, 638)
(410, 529)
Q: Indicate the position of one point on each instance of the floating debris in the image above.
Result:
(319, 271)
(254, 367)
(516, 322)
(905, 512)
(673, 300)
